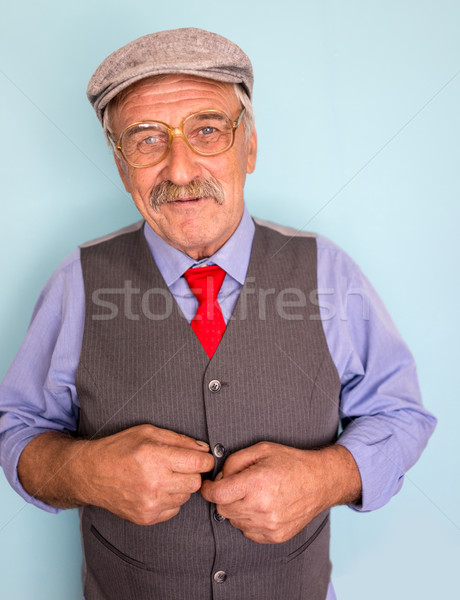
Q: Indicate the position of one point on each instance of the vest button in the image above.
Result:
(214, 385)
(220, 576)
(218, 451)
(218, 517)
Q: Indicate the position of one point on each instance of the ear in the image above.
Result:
(123, 171)
(252, 152)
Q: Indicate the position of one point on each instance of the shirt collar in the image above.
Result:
(233, 256)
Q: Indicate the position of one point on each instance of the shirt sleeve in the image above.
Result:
(385, 425)
(38, 393)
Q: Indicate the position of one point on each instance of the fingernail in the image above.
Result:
(202, 444)
(219, 476)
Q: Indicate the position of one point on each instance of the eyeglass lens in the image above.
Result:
(207, 133)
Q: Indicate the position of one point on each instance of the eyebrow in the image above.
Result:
(209, 115)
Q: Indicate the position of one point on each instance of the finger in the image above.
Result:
(237, 511)
(171, 438)
(176, 500)
(253, 531)
(256, 536)
(246, 525)
(188, 461)
(227, 490)
(181, 483)
(167, 514)
(245, 458)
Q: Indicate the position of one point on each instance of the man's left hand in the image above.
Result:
(271, 492)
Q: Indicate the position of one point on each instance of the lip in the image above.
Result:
(187, 202)
(187, 199)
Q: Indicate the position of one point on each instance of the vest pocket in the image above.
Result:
(298, 551)
(118, 553)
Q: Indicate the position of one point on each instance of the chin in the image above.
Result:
(198, 247)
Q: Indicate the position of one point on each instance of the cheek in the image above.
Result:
(231, 171)
(141, 183)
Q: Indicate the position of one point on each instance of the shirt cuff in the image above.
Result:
(378, 462)
(12, 448)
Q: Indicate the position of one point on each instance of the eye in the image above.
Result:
(150, 143)
(207, 130)
(150, 140)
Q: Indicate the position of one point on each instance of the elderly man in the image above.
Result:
(187, 384)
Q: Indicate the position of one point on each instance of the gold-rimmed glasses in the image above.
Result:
(207, 133)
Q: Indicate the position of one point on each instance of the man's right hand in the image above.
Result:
(143, 474)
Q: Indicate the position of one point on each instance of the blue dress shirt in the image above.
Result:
(385, 426)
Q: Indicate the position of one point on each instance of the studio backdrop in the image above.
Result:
(357, 112)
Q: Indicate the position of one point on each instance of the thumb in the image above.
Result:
(242, 459)
(225, 490)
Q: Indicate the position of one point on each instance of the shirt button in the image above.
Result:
(214, 385)
(220, 576)
(218, 517)
(218, 451)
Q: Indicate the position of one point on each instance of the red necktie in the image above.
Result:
(208, 323)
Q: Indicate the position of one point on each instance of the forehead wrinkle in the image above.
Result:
(170, 94)
(172, 97)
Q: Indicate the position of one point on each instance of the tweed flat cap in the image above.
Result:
(188, 50)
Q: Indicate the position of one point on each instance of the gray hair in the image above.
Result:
(240, 93)
(245, 101)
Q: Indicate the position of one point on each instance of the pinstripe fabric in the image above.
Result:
(278, 384)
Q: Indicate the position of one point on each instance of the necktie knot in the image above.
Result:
(205, 282)
(208, 322)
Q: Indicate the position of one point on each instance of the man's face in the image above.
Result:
(200, 226)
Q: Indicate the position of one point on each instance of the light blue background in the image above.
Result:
(357, 106)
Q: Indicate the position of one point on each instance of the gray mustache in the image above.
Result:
(166, 191)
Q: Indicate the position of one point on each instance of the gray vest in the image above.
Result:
(142, 363)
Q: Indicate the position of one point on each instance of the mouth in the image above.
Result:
(186, 199)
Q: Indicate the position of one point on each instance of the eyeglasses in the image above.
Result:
(207, 133)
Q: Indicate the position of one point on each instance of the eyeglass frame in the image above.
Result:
(174, 132)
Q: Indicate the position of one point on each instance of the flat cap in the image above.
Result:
(188, 50)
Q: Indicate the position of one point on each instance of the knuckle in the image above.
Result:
(173, 512)
(147, 506)
(254, 537)
(177, 501)
(195, 483)
(237, 525)
(272, 526)
(194, 461)
(143, 454)
(231, 458)
(144, 431)
(147, 428)
(201, 462)
(184, 438)
(218, 496)
(222, 510)
(144, 520)
(264, 447)
(264, 505)
(277, 537)
(185, 498)
(145, 517)
(166, 515)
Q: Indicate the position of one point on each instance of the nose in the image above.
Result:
(181, 165)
